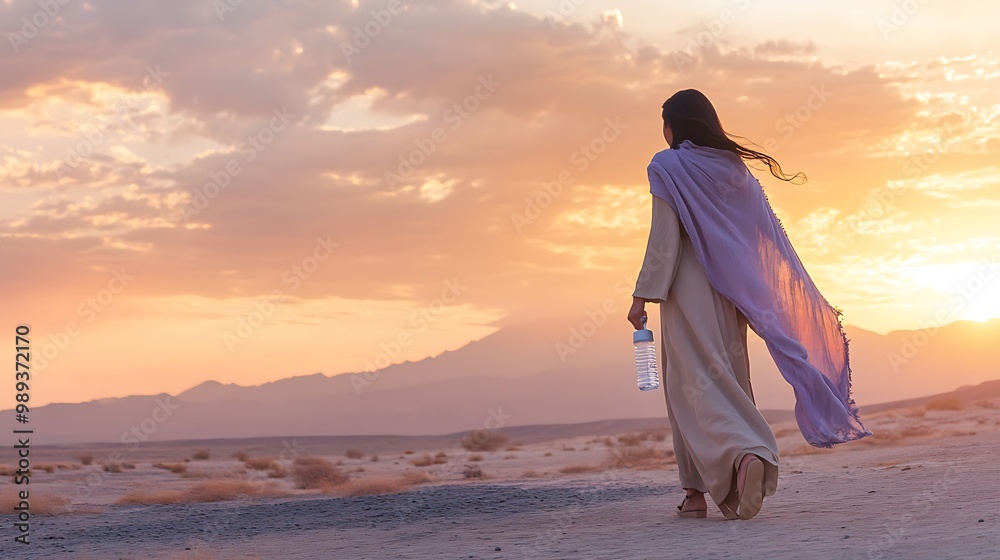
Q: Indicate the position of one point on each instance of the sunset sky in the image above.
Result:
(174, 171)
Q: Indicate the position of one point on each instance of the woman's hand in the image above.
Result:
(637, 314)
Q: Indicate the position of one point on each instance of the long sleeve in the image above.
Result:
(662, 250)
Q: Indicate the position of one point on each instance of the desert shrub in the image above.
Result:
(241, 456)
(577, 469)
(209, 491)
(637, 456)
(483, 440)
(354, 454)
(512, 448)
(85, 458)
(374, 459)
(472, 471)
(42, 502)
(474, 458)
(943, 402)
(201, 454)
(316, 472)
(46, 467)
(112, 467)
(277, 469)
(629, 439)
(424, 461)
(416, 477)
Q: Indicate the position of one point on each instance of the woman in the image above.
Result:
(718, 262)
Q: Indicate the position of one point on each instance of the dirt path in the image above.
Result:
(914, 501)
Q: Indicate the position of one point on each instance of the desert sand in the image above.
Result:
(926, 485)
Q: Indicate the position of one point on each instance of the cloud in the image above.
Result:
(489, 106)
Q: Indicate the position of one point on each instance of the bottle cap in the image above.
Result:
(643, 334)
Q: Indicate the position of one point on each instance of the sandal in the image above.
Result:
(691, 513)
(752, 496)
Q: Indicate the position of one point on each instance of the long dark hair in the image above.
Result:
(691, 116)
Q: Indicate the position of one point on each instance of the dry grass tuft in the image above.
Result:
(201, 454)
(472, 471)
(316, 472)
(46, 467)
(638, 457)
(112, 467)
(944, 403)
(241, 456)
(209, 491)
(424, 461)
(639, 437)
(85, 458)
(277, 469)
(578, 469)
(483, 440)
(40, 503)
(416, 477)
(354, 454)
(474, 458)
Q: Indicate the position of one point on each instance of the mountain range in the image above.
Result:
(531, 373)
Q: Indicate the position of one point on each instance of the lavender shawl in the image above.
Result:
(749, 260)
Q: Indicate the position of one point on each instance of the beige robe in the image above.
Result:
(705, 366)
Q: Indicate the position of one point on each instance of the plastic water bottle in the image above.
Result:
(645, 358)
